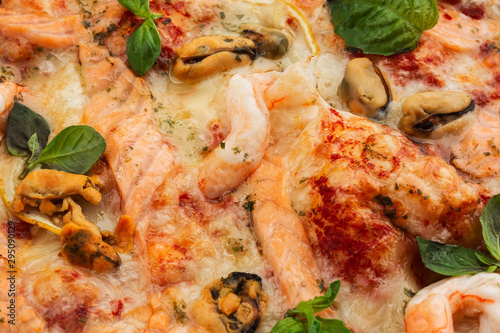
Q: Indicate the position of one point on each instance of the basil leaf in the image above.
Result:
(383, 26)
(490, 221)
(75, 149)
(289, 325)
(143, 47)
(138, 7)
(449, 260)
(487, 259)
(320, 303)
(333, 325)
(294, 318)
(34, 147)
(305, 309)
(155, 16)
(21, 125)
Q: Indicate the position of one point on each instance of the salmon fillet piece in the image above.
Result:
(8, 91)
(137, 153)
(283, 238)
(462, 36)
(477, 155)
(42, 30)
(54, 8)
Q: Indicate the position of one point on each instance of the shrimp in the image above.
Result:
(467, 302)
(250, 102)
(239, 155)
(283, 238)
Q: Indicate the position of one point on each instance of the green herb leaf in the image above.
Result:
(34, 148)
(333, 325)
(450, 260)
(289, 325)
(143, 47)
(304, 309)
(22, 124)
(296, 318)
(383, 26)
(320, 303)
(155, 16)
(138, 7)
(487, 259)
(490, 221)
(144, 44)
(249, 205)
(75, 149)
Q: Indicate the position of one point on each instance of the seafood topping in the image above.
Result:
(364, 89)
(271, 43)
(431, 114)
(122, 239)
(51, 191)
(244, 147)
(236, 303)
(43, 188)
(205, 56)
(467, 303)
(83, 245)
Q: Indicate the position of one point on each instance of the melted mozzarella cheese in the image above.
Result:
(194, 118)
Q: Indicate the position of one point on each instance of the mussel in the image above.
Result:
(82, 242)
(364, 89)
(85, 248)
(271, 43)
(432, 114)
(52, 192)
(235, 304)
(43, 188)
(205, 56)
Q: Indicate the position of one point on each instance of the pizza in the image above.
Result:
(209, 165)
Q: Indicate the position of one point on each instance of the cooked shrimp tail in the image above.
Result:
(464, 301)
(239, 155)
